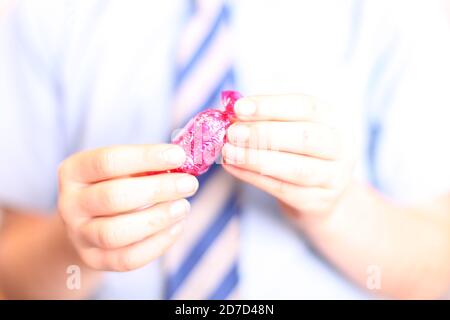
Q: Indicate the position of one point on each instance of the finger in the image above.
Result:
(122, 230)
(294, 107)
(296, 169)
(127, 194)
(304, 138)
(135, 255)
(112, 162)
(309, 199)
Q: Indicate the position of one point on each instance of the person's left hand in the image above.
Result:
(290, 146)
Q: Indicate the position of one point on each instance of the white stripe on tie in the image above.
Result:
(196, 30)
(199, 85)
(208, 202)
(215, 264)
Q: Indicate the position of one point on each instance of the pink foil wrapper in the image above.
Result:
(204, 136)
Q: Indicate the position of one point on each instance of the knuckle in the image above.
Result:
(84, 234)
(158, 220)
(109, 198)
(106, 236)
(105, 163)
(157, 187)
(64, 212)
(304, 139)
(67, 205)
(92, 259)
(160, 251)
(85, 258)
(164, 246)
(303, 174)
(126, 261)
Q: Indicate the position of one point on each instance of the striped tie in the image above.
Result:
(203, 262)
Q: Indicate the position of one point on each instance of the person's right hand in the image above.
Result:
(118, 217)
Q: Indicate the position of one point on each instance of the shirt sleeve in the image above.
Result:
(408, 106)
(31, 139)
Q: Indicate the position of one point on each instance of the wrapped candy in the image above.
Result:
(204, 136)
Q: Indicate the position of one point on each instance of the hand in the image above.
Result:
(118, 217)
(288, 146)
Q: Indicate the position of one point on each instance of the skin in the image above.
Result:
(112, 216)
(352, 225)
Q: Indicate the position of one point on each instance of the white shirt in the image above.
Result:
(79, 74)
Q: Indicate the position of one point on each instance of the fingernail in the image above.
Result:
(176, 229)
(179, 208)
(238, 133)
(174, 155)
(186, 184)
(245, 107)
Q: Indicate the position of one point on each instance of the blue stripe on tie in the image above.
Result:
(355, 26)
(175, 280)
(225, 288)
(223, 16)
(372, 148)
(379, 95)
(193, 6)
